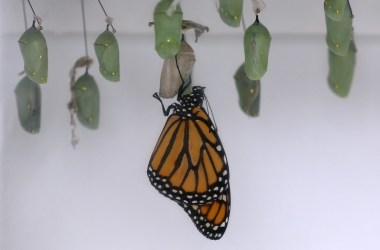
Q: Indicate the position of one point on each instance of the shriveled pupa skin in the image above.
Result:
(35, 53)
(28, 97)
(167, 29)
(249, 93)
(170, 77)
(334, 9)
(339, 33)
(256, 49)
(86, 95)
(107, 52)
(230, 12)
(341, 71)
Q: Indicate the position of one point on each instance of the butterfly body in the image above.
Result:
(188, 164)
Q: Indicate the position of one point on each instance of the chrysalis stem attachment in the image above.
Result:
(109, 21)
(39, 21)
(258, 6)
(108, 18)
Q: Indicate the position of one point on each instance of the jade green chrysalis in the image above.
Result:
(334, 9)
(107, 52)
(28, 97)
(339, 33)
(249, 92)
(86, 96)
(35, 53)
(230, 11)
(256, 49)
(341, 71)
(167, 29)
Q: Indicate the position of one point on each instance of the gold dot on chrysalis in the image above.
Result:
(34, 73)
(337, 45)
(252, 91)
(168, 40)
(40, 56)
(337, 11)
(261, 52)
(336, 86)
(113, 73)
(84, 88)
(28, 106)
(90, 119)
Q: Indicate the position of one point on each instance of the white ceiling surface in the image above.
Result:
(304, 175)
(280, 16)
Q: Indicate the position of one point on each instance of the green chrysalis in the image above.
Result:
(339, 33)
(86, 96)
(230, 11)
(334, 9)
(28, 97)
(34, 51)
(171, 80)
(249, 92)
(107, 52)
(256, 49)
(342, 71)
(167, 29)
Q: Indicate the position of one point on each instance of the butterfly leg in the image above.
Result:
(165, 111)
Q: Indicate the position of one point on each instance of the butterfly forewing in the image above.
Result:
(188, 163)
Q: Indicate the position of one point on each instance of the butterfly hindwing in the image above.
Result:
(211, 219)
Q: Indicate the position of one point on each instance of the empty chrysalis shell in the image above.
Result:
(35, 53)
(107, 52)
(170, 77)
(256, 49)
(334, 9)
(230, 11)
(167, 29)
(86, 96)
(339, 33)
(28, 97)
(249, 92)
(341, 71)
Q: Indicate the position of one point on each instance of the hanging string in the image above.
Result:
(24, 12)
(108, 18)
(84, 32)
(35, 17)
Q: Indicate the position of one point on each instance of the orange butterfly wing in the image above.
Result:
(189, 164)
(211, 219)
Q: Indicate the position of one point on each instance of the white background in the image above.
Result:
(305, 175)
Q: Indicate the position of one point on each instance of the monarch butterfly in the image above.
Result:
(167, 29)
(189, 165)
(35, 53)
(107, 52)
(28, 97)
(341, 71)
(86, 96)
(339, 32)
(256, 49)
(230, 11)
